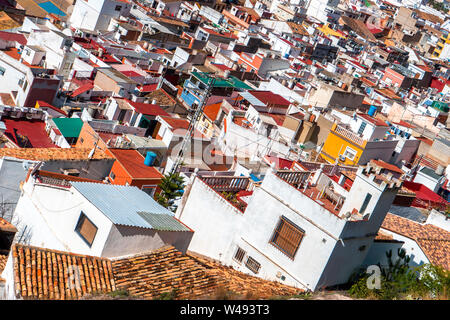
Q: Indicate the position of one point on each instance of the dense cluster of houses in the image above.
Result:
(317, 140)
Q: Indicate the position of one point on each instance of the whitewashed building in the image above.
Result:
(95, 15)
(299, 228)
(94, 218)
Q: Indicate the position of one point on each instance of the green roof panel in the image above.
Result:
(69, 127)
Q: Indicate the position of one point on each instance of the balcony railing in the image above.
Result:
(228, 184)
(296, 179)
(349, 135)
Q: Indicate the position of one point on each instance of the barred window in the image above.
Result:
(253, 265)
(239, 255)
(287, 237)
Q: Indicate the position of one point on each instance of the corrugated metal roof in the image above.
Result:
(121, 204)
(163, 222)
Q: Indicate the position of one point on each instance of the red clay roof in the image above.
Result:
(434, 241)
(133, 162)
(10, 36)
(269, 97)
(387, 166)
(82, 89)
(404, 124)
(34, 130)
(375, 121)
(43, 104)
(147, 108)
(212, 110)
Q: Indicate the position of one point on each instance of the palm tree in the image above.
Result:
(171, 186)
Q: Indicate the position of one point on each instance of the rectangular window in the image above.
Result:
(112, 175)
(253, 265)
(365, 203)
(362, 127)
(149, 189)
(2, 71)
(86, 229)
(118, 8)
(350, 153)
(287, 237)
(239, 255)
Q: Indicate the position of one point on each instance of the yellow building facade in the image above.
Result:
(343, 145)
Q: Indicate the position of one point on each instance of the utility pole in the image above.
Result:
(192, 124)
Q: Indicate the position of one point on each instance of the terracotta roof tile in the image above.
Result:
(41, 273)
(45, 154)
(434, 241)
(133, 162)
(45, 274)
(149, 275)
(6, 226)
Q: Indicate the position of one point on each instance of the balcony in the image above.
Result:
(349, 135)
(229, 189)
(324, 196)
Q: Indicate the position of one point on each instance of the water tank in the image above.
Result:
(372, 111)
(440, 170)
(150, 158)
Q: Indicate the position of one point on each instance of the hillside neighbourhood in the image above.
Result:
(255, 149)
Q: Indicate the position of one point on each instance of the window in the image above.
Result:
(2, 71)
(118, 8)
(365, 203)
(253, 265)
(239, 255)
(86, 229)
(25, 85)
(350, 153)
(112, 175)
(287, 237)
(149, 189)
(81, 140)
(362, 127)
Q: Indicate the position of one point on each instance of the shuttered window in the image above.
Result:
(86, 229)
(253, 265)
(287, 237)
(239, 255)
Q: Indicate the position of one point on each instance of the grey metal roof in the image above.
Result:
(431, 173)
(410, 213)
(121, 204)
(163, 222)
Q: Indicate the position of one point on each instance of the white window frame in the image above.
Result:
(350, 151)
(150, 186)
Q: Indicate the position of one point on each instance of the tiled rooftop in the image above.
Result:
(20, 131)
(150, 275)
(45, 154)
(434, 241)
(6, 226)
(47, 274)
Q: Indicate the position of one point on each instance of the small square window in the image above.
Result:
(2, 71)
(86, 229)
(112, 175)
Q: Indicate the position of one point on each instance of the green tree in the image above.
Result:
(171, 186)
